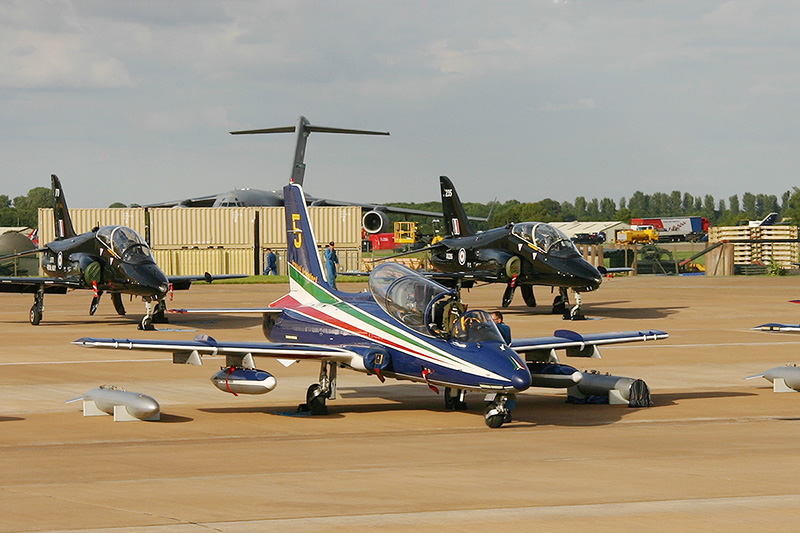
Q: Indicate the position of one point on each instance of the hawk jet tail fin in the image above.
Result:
(455, 218)
(301, 248)
(63, 223)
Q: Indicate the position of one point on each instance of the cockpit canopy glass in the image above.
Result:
(476, 326)
(125, 243)
(406, 295)
(547, 238)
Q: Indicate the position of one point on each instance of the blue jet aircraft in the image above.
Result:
(406, 327)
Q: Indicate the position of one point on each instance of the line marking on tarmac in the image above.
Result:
(478, 516)
(19, 363)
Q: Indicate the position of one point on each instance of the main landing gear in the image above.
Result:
(319, 393)
(527, 294)
(37, 310)
(498, 406)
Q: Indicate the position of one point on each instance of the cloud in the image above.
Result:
(582, 104)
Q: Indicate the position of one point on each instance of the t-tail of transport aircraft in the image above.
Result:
(406, 327)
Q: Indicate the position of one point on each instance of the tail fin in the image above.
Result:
(301, 247)
(303, 129)
(455, 218)
(63, 223)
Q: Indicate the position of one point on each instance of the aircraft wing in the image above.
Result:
(31, 284)
(386, 208)
(199, 201)
(783, 328)
(182, 283)
(578, 345)
(208, 346)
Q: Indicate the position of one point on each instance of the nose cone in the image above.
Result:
(521, 379)
(143, 407)
(582, 274)
(148, 277)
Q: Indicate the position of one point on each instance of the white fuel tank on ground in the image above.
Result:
(106, 397)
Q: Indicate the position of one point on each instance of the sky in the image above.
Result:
(132, 101)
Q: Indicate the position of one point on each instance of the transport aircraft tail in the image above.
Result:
(63, 223)
(455, 218)
(302, 255)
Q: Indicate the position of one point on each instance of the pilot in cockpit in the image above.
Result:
(445, 312)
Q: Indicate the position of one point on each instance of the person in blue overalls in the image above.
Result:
(331, 261)
(272, 263)
(505, 331)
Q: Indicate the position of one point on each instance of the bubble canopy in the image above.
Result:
(414, 299)
(545, 237)
(125, 243)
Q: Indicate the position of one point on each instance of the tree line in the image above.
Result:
(730, 211)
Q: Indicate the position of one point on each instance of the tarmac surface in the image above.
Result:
(714, 452)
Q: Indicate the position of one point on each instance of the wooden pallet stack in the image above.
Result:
(767, 245)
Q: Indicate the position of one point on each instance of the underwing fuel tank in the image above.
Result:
(589, 387)
(593, 384)
(107, 397)
(236, 380)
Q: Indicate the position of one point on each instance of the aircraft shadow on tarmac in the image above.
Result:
(602, 310)
(213, 322)
(10, 419)
(173, 419)
(532, 409)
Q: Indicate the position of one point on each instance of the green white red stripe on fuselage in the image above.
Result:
(318, 303)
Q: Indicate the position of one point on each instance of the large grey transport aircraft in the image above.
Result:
(375, 218)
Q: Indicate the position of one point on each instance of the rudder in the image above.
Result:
(455, 218)
(301, 247)
(62, 220)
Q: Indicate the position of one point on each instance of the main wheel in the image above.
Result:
(452, 402)
(36, 315)
(559, 305)
(315, 399)
(493, 416)
(527, 295)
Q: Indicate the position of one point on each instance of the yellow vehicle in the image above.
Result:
(405, 232)
(637, 235)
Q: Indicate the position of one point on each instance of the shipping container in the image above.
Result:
(198, 261)
(202, 226)
(84, 220)
(341, 225)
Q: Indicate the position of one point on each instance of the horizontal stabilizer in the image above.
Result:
(309, 128)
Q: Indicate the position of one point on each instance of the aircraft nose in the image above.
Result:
(148, 276)
(521, 379)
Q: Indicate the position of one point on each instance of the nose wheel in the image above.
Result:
(498, 409)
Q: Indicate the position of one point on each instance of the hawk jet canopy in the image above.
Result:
(406, 295)
(547, 238)
(126, 244)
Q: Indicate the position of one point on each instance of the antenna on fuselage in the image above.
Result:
(302, 131)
